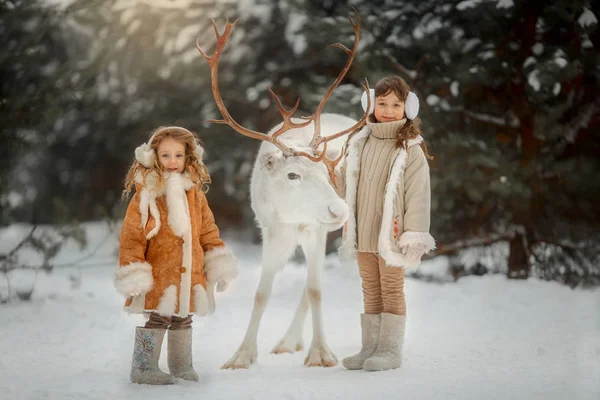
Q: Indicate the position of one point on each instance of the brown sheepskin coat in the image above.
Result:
(170, 249)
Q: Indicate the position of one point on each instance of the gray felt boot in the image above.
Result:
(146, 352)
(370, 333)
(389, 350)
(179, 354)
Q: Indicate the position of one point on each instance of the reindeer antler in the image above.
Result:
(213, 62)
(317, 139)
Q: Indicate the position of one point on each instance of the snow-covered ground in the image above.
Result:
(480, 338)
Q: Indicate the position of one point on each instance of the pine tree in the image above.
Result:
(510, 107)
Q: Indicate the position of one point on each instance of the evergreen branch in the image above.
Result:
(452, 248)
(565, 245)
(487, 118)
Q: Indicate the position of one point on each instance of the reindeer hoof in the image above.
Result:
(320, 357)
(287, 346)
(241, 360)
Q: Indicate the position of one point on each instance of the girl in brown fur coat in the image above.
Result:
(171, 256)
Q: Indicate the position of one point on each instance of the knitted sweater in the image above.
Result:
(376, 159)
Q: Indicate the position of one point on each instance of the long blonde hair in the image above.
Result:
(410, 129)
(193, 164)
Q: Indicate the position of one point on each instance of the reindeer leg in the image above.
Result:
(278, 245)
(292, 341)
(313, 244)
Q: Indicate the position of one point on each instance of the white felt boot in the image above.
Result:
(389, 349)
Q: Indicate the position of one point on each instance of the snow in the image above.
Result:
(454, 88)
(556, 89)
(13, 199)
(534, 81)
(432, 99)
(292, 32)
(505, 4)
(470, 45)
(587, 18)
(481, 337)
(529, 61)
(463, 5)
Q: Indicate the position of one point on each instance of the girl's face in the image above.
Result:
(171, 155)
(389, 108)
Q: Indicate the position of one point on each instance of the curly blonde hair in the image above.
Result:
(193, 164)
(410, 129)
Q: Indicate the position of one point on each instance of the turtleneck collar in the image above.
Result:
(385, 130)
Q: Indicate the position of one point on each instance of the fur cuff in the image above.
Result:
(135, 277)
(410, 238)
(347, 252)
(220, 264)
(168, 302)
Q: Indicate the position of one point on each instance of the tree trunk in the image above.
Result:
(518, 264)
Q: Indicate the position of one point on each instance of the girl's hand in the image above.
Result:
(222, 286)
(413, 253)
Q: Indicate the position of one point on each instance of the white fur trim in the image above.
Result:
(179, 217)
(156, 215)
(199, 150)
(220, 264)
(168, 302)
(410, 238)
(411, 106)
(145, 155)
(364, 100)
(137, 304)
(185, 287)
(391, 257)
(347, 250)
(200, 300)
(135, 277)
(174, 182)
(144, 204)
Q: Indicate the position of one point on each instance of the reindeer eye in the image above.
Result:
(292, 176)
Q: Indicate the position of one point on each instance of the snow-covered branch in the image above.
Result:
(489, 119)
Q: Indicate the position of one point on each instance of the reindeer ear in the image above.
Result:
(270, 162)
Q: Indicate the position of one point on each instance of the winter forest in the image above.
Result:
(506, 306)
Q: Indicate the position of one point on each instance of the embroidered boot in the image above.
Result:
(370, 332)
(389, 350)
(146, 352)
(179, 354)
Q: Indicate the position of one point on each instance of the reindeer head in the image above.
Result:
(296, 163)
(297, 190)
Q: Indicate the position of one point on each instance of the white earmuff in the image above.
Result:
(411, 106)
(364, 101)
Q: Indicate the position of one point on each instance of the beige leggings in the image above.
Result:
(156, 321)
(383, 286)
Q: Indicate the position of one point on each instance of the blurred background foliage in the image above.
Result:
(509, 94)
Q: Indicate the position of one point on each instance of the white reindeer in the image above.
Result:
(295, 204)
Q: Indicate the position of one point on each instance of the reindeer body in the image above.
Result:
(294, 204)
(293, 201)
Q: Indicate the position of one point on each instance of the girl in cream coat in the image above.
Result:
(171, 256)
(385, 181)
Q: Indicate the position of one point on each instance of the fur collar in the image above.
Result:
(150, 182)
(175, 187)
